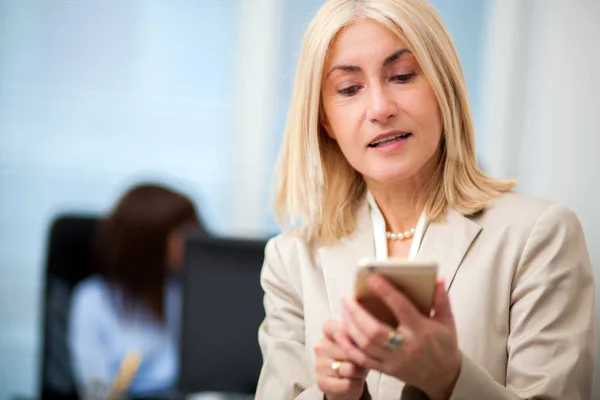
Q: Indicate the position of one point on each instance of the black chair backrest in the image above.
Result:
(68, 262)
(222, 310)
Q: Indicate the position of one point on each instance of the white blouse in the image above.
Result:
(381, 249)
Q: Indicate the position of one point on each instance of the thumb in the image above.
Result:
(442, 311)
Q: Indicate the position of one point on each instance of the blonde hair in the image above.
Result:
(315, 186)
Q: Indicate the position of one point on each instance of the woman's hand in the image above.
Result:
(422, 351)
(337, 377)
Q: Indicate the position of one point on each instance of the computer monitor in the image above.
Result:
(222, 310)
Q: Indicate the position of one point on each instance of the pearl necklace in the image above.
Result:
(400, 235)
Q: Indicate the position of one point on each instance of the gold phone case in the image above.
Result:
(415, 278)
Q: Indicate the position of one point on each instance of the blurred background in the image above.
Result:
(96, 95)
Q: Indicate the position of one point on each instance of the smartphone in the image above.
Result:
(415, 278)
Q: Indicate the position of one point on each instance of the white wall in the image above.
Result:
(542, 107)
(258, 38)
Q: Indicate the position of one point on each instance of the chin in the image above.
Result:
(393, 173)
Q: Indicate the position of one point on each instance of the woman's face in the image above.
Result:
(378, 105)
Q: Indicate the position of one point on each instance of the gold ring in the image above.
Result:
(394, 340)
(335, 366)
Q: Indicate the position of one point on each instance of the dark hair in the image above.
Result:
(131, 244)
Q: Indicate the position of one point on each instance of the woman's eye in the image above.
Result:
(349, 91)
(403, 78)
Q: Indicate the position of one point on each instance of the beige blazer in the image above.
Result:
(520, 284)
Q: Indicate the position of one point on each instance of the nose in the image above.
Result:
(382, 106)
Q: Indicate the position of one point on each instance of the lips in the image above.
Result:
(388, 138)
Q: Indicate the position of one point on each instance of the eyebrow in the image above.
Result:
(353, 68)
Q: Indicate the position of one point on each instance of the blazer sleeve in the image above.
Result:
(551, 345)
(285, 372)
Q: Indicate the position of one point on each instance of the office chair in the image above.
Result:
(68, 261)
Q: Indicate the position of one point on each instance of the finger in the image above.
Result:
(342, 340)
(356, 355)
(442, 311)
(331, 327)
(366, 331)
(336, 387)
(346, 370)
(404, 311)
(328, 349)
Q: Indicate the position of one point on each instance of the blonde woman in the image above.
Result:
(379, 160)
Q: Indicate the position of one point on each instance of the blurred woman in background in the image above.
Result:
(133, 304)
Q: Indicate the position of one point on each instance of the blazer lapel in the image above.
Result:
(339, 265)
(447, 242)
(339, 261)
